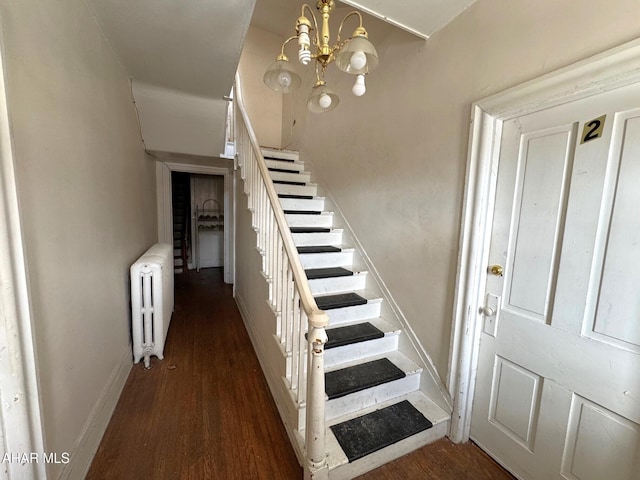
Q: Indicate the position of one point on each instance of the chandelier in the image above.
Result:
(355, 55)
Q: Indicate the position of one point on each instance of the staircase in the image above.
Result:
(376, 408)
(181, 202)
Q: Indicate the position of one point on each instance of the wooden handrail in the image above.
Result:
(301, 300)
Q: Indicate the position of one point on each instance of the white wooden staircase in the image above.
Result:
(377, 405)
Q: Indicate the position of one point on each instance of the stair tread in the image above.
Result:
(290, 160)
(289, 182)
(331, 272)
(310, 229)
(374, 431)
(299, 197)
(282, 170)
(350, 334)
(319, 249)
(356, 378)
(339, 300)
(302, 212)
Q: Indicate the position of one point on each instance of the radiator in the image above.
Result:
(151, 302)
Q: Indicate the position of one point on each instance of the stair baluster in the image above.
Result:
(289, 294)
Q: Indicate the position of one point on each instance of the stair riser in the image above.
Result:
(371, 396)
(339, 316)
(298, 166)
(361, 350)
(299, 204)
(338, 284)
(309, 239)
(290, 177)
(326, 260)
(308, 190)
(302, 220)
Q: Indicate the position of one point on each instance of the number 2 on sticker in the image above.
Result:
(593, 129)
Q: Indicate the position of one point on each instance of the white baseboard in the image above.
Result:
(89, 440)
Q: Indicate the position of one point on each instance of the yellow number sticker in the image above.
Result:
(593, 129)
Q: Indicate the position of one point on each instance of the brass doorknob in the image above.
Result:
(496, 270)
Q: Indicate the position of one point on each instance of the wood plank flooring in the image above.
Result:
(205, 411)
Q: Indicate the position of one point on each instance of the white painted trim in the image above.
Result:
(165, 208)
(20, 403)
(89, 440)
(164, 203)
(604, 72)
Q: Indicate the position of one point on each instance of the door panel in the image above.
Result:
(558, 383)
(614, 288)
(515, 401)
(544, 158)
(599, 442)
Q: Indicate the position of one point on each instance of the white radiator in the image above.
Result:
(151, 301)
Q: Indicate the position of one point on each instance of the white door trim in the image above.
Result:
(606, 71)
(21, 430)
(165, 210)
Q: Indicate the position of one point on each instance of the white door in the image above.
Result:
(558, 382)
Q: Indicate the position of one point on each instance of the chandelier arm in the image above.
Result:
(315, 23)
(287, 41)
(342, 24)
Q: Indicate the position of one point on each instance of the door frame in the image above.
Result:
(21, 429)
(165, 207)
(606, 71)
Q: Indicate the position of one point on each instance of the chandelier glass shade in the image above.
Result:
(356, 55)
(281, 76)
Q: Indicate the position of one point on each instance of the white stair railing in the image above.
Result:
(289, 294)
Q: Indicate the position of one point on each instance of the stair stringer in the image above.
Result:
(409, 344)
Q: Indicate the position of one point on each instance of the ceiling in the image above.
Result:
(420, 17)
(192, 47)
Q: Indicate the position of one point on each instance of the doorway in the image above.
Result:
(215, 186)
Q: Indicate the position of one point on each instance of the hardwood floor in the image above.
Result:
(205, 411)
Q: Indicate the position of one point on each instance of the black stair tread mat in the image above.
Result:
(339, 300)
(282, 170)
(290, 160)
(310, 230)
(319, 249)
(345, 381)
(297, 197)
(349, 334)
(302, 212)
(287, 182)
(374, 431)
(315, 273)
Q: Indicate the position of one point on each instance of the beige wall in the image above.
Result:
(395, 159)
(263, 104)
(87, 198)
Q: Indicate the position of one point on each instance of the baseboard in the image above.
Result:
(88, 442)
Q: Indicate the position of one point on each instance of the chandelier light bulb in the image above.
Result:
(304, 56)
(324, 100)
(358, 60)
(284, 79)
(359, 87)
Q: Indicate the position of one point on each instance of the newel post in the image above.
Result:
(315, 442)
